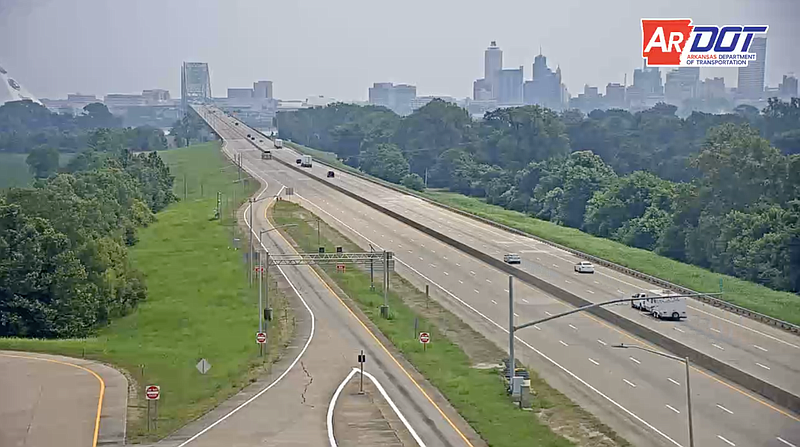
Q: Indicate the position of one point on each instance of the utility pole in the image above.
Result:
(689, 403)
(512, 367)
(251, 241)
(267, 308)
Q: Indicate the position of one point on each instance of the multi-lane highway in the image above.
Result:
(290, 406)
(640, 395)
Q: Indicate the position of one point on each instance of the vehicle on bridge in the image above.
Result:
(672, 308)
(278, 143)
(512, 258)
(266, 155)
(584, 267)
(331, 174)
(298, 161)
(305, 161)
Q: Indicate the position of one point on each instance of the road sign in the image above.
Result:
(258, 269)
(362, 358)
(289, 191)
(424, 338)
(203, 366)
(261, 337)
(152, 392)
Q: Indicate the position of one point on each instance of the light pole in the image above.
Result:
(685, 361)
(265, 270)
(252, 230)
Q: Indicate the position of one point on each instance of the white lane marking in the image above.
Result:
(715, 330)
(538, 259)
(422, 245)
(724, 409)
(460, 281)
(458, 265)
(520, 340)
(433, 265)
(590, 291)
(746, 328)
(294, 362)
(515, 314)
(759, 347)
(410, 251)
(446, 274)
(476, 290)
(548, 314)
(505, 290)
(562, 342)
(674, 381)
(763, 366)
(717, 346)
(391, 240)
(445, 258)
(785, 441)
(729, 443)
(596, 282)
(568, 281)
(396, 410)
(537, 328)
(673, 409)
(523, 300)
(635, 361)
(594, 361)
(433, 251)
(554, 265)
(601, 342)
(332, 404)
(677, 329)
(471, 272)
(494, 302)
(573, 327)
(629, 383)
(620, 291)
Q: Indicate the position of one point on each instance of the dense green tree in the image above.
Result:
(413, 181)
(43, 161)
(385, 161)
(513, 137)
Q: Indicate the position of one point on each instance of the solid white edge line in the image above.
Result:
(526, 344)
(785, 441)
(332, 404)
(294, 362)
(394, 407)
(729, 442)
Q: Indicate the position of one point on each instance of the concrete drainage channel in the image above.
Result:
(769, 391)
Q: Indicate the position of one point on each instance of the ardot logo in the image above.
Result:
(678, 43)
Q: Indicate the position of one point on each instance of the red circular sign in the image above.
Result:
(152, 392)
(424, 337)
(261, 337)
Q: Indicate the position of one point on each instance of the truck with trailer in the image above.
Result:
(278, 143)
(305, 161)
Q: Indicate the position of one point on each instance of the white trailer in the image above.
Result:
(278, 143)
(673, 308)
(305, 161)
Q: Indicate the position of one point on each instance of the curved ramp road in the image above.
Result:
(289, 408)
(641, 396)
(52, 400)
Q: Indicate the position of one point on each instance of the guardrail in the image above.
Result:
(744, 379)
(716, 302)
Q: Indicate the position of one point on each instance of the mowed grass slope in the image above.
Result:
(199, 304)
(782, 305)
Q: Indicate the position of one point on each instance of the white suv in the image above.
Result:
(584, 267)
(512, 259)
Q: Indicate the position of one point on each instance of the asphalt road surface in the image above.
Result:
(639, 394)
(48, 400)
(293, 410)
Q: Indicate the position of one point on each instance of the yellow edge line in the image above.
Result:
(379, 343)
(100, 379)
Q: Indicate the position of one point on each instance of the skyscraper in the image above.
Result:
(509, 86)
(788, 88)
(195, 83)
(492, 65)
(398, 97)
(751, 78)
(262, 90)
(545, 88)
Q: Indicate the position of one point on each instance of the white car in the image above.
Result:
(584, 267)
(512, 258)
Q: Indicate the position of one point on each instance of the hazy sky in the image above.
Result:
(338, 48)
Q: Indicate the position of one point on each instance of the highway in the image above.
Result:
(289, 407)
(640, 395)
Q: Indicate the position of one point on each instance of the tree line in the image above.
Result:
(718, 191)
(26, 126)
(64, 267)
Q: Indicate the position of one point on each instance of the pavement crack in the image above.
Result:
(310, 381)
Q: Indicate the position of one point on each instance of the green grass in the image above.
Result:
(477, 394)
(782, 305)
(199, 304)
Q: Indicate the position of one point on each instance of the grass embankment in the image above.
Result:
(782, 305)
(448, 363)
(199, 304)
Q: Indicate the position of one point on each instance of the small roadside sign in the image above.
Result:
(152, 392)
(362, 358)
(203, 366)
(261, 337)
(424, 338)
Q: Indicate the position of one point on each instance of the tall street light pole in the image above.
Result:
(685, 361)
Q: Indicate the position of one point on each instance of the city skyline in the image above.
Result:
(339, 62)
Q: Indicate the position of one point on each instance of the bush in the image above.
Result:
(414, 182)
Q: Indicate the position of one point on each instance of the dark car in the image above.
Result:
(248, 136)
(235, 124)
(330, 174)
(298, 161)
